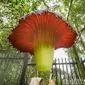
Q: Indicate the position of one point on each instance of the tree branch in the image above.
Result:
(82, 30)
(45, 4)
(80, 34)
(5, 27)
(69, 9)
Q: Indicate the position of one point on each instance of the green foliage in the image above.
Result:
(10, 70)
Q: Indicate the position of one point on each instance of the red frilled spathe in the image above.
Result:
(40, 27)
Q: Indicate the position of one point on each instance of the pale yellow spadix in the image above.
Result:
(44, 57)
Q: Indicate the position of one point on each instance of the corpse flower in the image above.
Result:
(40, 33)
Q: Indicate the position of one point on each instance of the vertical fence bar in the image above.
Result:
(67, 74)
(22, 80)
(56, 73)
(71, 75)
(76, 72)
(60, 80)
(64, 83)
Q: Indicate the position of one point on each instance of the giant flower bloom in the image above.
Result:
(39, 33)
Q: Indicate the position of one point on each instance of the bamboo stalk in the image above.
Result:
(79, 64)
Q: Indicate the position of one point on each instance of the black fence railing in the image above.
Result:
(65, 72)
(15, 70)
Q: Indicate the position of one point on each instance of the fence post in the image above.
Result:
(22, 79)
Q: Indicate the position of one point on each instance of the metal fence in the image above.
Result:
(18, 69)
(65, 72)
